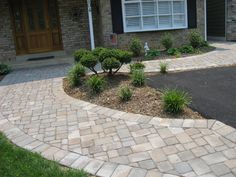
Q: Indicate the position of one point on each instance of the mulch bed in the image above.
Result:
(163, 54)
(145, 100)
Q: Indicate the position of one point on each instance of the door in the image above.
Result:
(37, 28)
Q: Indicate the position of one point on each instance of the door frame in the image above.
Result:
(24, 28)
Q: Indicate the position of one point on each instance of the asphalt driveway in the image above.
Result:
(213, 91)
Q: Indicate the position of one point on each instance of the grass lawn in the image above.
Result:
(17, 162)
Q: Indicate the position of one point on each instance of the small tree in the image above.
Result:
(109, 64)
(89, 61)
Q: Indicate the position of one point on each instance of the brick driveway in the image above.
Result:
(36, 114)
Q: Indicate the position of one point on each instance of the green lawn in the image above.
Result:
(17, 162)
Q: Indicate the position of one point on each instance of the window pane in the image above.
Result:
(178, 6)
(165, 21)
(149, 8)
(164, 7)
(133, 23)
(132, 9)
(179, 20)
(149, 22)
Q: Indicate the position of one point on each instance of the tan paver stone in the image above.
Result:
(121, 171)
(214, 158)
(199, 166)
(137, 172)
(107, 169)
(136, 157)
(93, 166)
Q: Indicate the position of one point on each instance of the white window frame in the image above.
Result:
(154, 29)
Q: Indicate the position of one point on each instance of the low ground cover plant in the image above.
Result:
(96, 84)
(136, 47)
(138, 78)
(75, 74)
(125, 93)
(4, 69)
(175, 101)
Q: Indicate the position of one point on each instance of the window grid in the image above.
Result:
(156, 15)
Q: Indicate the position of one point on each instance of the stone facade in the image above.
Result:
(7, 47)
(231, 20)
(153, 38)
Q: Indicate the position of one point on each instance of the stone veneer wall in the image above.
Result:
(153, 38)
(75, 30)
(7, 47)
(231, 20)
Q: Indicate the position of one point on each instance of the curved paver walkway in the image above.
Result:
(36, 114)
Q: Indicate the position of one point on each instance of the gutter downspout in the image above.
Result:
(90, 16)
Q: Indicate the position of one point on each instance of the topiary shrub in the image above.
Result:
(78, 54)
(125, 93)
(136, 47)
(175, 101)
(109, 64)
(195, 39)
(167, 41)
(163, 68)
(4, 69)
(136, 66)
(138, 78)
(187, 49)
(89, 61)
(96, 84)
(75, 74)
(97, 51)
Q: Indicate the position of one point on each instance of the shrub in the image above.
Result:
(136, 47)
(96, 84)
(167, 41)
(173, 51)
(89, 61)
(153, 53)
(78, 54)
(110, 63)
(163, 68)
(187, 49)
(107, 53)
(175, 101)
(125, 93)
(123, 56)
(75, 74)
(136, 66)
(4, 69)
(97, 51)
(195, 39)
(138, 78)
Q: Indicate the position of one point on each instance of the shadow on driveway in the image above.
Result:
(213, 91)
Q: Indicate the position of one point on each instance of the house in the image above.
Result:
(36, 26)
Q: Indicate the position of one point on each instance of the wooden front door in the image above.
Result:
(36, 26)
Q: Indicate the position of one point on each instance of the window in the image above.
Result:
(151, 15)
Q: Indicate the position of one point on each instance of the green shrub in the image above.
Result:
(78, 54)
(175, 101)
(138, 78)
(123, 56)
(187, 49)
(97, 51)
(167, 41)
(173, 51)
(136, 66)
(153, 53)
(163, 68)
(136, 47)
(107, 53)
(89, 61)
(196, 39)
(75, 74)
(110, 63)
(125, 93)
(4, 69)
(96, 84)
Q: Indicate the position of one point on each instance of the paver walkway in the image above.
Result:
(36, 114)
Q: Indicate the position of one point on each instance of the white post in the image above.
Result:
(205, 18)
(90, 16)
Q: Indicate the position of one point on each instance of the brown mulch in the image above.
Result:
(145, 100)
